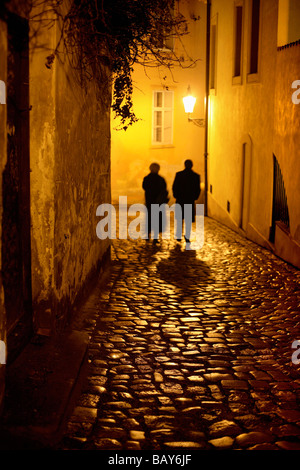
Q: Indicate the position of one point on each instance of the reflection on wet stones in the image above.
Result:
(192, 349)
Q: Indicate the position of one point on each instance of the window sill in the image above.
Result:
(162, 146)
(252, 78)
(164, 50)
(237, 80)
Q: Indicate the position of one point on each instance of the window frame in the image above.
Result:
(237, 79)
(168, 43)
(213, 55)
(163, 109)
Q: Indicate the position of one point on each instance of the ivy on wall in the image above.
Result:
(104, 39)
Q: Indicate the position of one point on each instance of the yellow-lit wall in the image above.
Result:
(3, 158)
(243, 113)
(132, 150)
(256, 111)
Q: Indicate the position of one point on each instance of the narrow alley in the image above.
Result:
(123, 343)
(191, 349)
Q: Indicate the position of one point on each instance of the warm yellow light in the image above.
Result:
(189, 103)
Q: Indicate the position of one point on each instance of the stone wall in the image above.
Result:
(70, 177)
(257, 111)
(69, 144)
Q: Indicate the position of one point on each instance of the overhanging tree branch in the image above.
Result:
(104, 39)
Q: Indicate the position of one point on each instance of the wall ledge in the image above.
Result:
(287, 46)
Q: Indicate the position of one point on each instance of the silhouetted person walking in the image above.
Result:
(186, 190)
(156, 192)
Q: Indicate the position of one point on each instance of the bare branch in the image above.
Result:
(104, 39)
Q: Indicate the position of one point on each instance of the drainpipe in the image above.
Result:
(208, 6)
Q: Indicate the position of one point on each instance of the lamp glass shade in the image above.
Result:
(189, 103)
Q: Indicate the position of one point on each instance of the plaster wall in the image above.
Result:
(132, 150)
(286, 127)
(70, 177)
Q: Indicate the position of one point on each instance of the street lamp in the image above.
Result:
(189, 103)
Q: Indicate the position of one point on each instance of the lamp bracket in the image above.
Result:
(197, 122)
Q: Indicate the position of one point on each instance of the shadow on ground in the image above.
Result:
(185, 270)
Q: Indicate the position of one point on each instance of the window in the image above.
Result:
(254, 40)
(165, 38)
(169, 42)
(213, 38)
(237, 60)
(213, 54)
(162, 128)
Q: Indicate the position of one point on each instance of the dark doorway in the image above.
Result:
(280, 211)
(16, 253)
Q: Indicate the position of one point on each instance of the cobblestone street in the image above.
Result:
(191, 349)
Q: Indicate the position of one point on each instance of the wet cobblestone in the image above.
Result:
(191, 349)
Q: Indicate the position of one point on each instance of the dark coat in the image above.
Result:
(155, 188)
(186, 188)
(156, 192)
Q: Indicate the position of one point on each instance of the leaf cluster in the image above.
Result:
(104, 39)
(118, 34)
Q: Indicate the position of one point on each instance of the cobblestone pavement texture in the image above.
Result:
(191, 349)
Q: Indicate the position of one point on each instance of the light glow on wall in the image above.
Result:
(189, 102)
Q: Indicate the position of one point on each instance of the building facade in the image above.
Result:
(253, 162)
